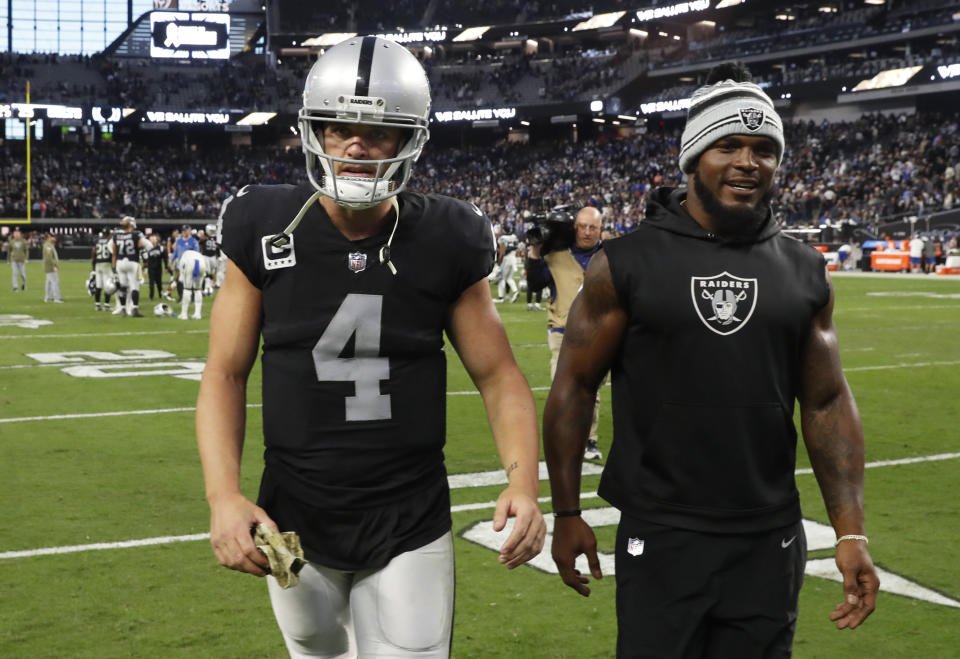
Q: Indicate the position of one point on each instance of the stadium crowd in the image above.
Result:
(767, 36)
(875, 169)
(827, 68)
(474, 77)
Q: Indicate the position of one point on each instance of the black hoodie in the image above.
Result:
(705, 380)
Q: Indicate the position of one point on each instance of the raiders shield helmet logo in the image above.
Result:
(357, 261)
(752, 118)
(724, 302)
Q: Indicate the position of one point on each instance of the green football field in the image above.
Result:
(102, 536)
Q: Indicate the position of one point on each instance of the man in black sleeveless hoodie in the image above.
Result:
(713, 323)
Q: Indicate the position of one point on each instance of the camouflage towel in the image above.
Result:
(284, 553)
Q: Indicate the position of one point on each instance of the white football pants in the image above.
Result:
(128, 273)
(507, 268)
(404, 609)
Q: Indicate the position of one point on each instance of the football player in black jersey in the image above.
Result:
(715, 325)
(101, 257)
(155, 258)
(126, 245)
(211, 254)
(352, 317)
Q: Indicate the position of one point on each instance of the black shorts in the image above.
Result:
(689, 594)
(360, 538)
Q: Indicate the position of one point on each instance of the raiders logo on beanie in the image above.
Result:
(729, 104)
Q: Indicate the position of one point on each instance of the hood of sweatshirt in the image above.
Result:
(665, 211)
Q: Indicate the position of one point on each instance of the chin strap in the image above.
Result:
(282, 239)
(385, 250)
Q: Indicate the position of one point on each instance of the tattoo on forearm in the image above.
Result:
(838, 462)
(511, 468)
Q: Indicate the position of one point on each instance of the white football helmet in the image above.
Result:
(110, 285)
(372, 81)
(162, 309)
(211, 230)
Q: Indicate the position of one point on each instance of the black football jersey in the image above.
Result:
(101, 251)
(155, 257)
(354, 373)
(128, 244)
(209, 247)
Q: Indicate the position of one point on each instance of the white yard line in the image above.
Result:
(457, 481)
(99, 334)
(887, 367)
(470, 392)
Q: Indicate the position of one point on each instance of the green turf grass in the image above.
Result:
(113, 478)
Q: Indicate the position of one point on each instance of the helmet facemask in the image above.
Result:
(391, 174)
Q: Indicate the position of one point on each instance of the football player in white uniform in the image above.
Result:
(507, 246)
(354, 372)
(192, 267)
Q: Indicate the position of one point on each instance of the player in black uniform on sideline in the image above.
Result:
(714, 323)
(352, 317)
(155, 257)
(101, 257)
(126, 244)
(211, 254)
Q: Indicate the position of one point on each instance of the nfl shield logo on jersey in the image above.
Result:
(357, 261)
(634, 546)
(752, 118)
(724, 302)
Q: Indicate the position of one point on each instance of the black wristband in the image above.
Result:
(567, 513)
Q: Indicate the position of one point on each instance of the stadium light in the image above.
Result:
(328, 39)
(596, 106)
(472, 33)
(599, 21)
(256, 118)
(888, 78)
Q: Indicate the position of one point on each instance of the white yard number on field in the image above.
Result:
(120, 364)
(95, 355)
(22, 321)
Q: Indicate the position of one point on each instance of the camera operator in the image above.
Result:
(562, 269)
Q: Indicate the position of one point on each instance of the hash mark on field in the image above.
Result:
(457, 481)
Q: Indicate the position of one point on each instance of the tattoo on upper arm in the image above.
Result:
(511, 468)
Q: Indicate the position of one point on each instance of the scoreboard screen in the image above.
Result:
(189, 35)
